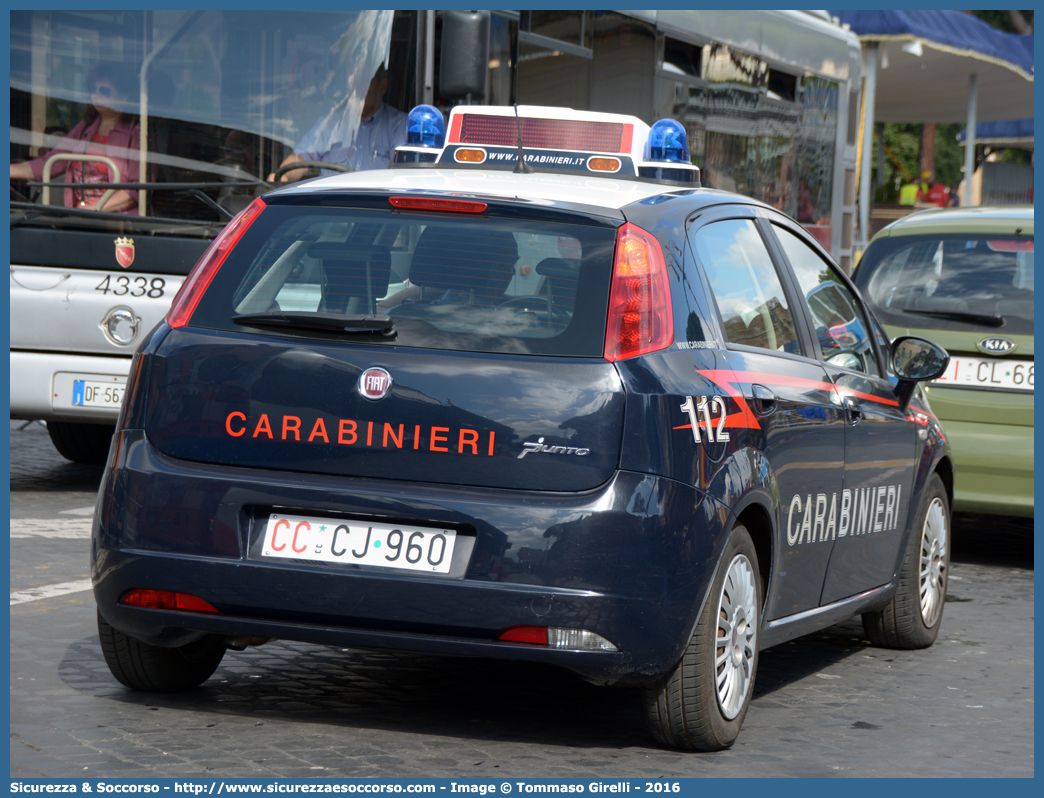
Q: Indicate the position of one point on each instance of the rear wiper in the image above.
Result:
(338, 322)
(985, 319)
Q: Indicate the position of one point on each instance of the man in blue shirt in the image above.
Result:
(380, 131)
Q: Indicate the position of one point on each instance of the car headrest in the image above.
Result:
(559, 267)
(561, 275)
(352, 271)
(474, 266)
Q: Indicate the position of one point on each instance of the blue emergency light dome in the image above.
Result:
(667, 142)
(425, 127)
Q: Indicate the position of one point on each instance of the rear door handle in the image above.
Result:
(763, 399)
(853, 410)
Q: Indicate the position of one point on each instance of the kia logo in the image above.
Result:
(375, 383)
(996, 346)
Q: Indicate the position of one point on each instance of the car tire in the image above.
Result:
(154, 669)
(701, 704)
(81, 443)
(913, 616)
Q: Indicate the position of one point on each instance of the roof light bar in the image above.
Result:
(550, 139)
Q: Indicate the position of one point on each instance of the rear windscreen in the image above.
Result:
(952, 281)
(446, 281)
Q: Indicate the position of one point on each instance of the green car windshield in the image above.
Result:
(961, 281)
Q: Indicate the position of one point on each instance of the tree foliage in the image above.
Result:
(903, 145)
(1003, 20)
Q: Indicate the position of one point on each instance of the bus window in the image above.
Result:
(216, 98)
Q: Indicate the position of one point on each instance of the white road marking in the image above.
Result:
(56, 528)
(49, 591)
(79, 511)
(59, 528)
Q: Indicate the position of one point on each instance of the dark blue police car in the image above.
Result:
(572, 409)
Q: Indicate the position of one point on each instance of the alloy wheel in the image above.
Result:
(737, 636)
(934, 540)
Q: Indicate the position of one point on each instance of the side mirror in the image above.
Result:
(464, 64)
(916, 360)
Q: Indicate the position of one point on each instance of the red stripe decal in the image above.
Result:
(725, 379)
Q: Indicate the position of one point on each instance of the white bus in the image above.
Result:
(205, 105)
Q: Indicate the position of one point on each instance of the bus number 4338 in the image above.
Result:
(125, 285)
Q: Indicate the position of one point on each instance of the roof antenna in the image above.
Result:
(521, 167)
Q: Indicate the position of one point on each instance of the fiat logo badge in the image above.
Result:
(375, 383)
(996, 346)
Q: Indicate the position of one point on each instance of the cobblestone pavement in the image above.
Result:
(825, 705)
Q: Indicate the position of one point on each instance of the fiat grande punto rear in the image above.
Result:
(618, 424)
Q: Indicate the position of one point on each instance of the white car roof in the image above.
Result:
(539, 186)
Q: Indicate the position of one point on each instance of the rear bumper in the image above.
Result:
(993, 467)
(631, 561)
(32, 385)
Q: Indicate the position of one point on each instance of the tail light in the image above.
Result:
(537, 635)
(203, 272)
(640, 316)
(165, 600)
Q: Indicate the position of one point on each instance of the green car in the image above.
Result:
(963, 277)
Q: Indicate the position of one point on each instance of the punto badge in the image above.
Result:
(125, 252)
(375, 383)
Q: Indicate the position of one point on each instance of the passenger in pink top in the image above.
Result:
(106, 129)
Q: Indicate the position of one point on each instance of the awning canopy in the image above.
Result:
(1013, 133)
(936, 66)
(926, 58)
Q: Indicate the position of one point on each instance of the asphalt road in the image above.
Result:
(825, 705)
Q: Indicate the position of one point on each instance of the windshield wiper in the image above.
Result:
(338, 322)
(985, 319)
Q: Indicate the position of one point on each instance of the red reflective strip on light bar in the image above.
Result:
(626, 138)
(165, 600)
(454, 131)
(425, 204)
(524, 634)
(548, 134)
